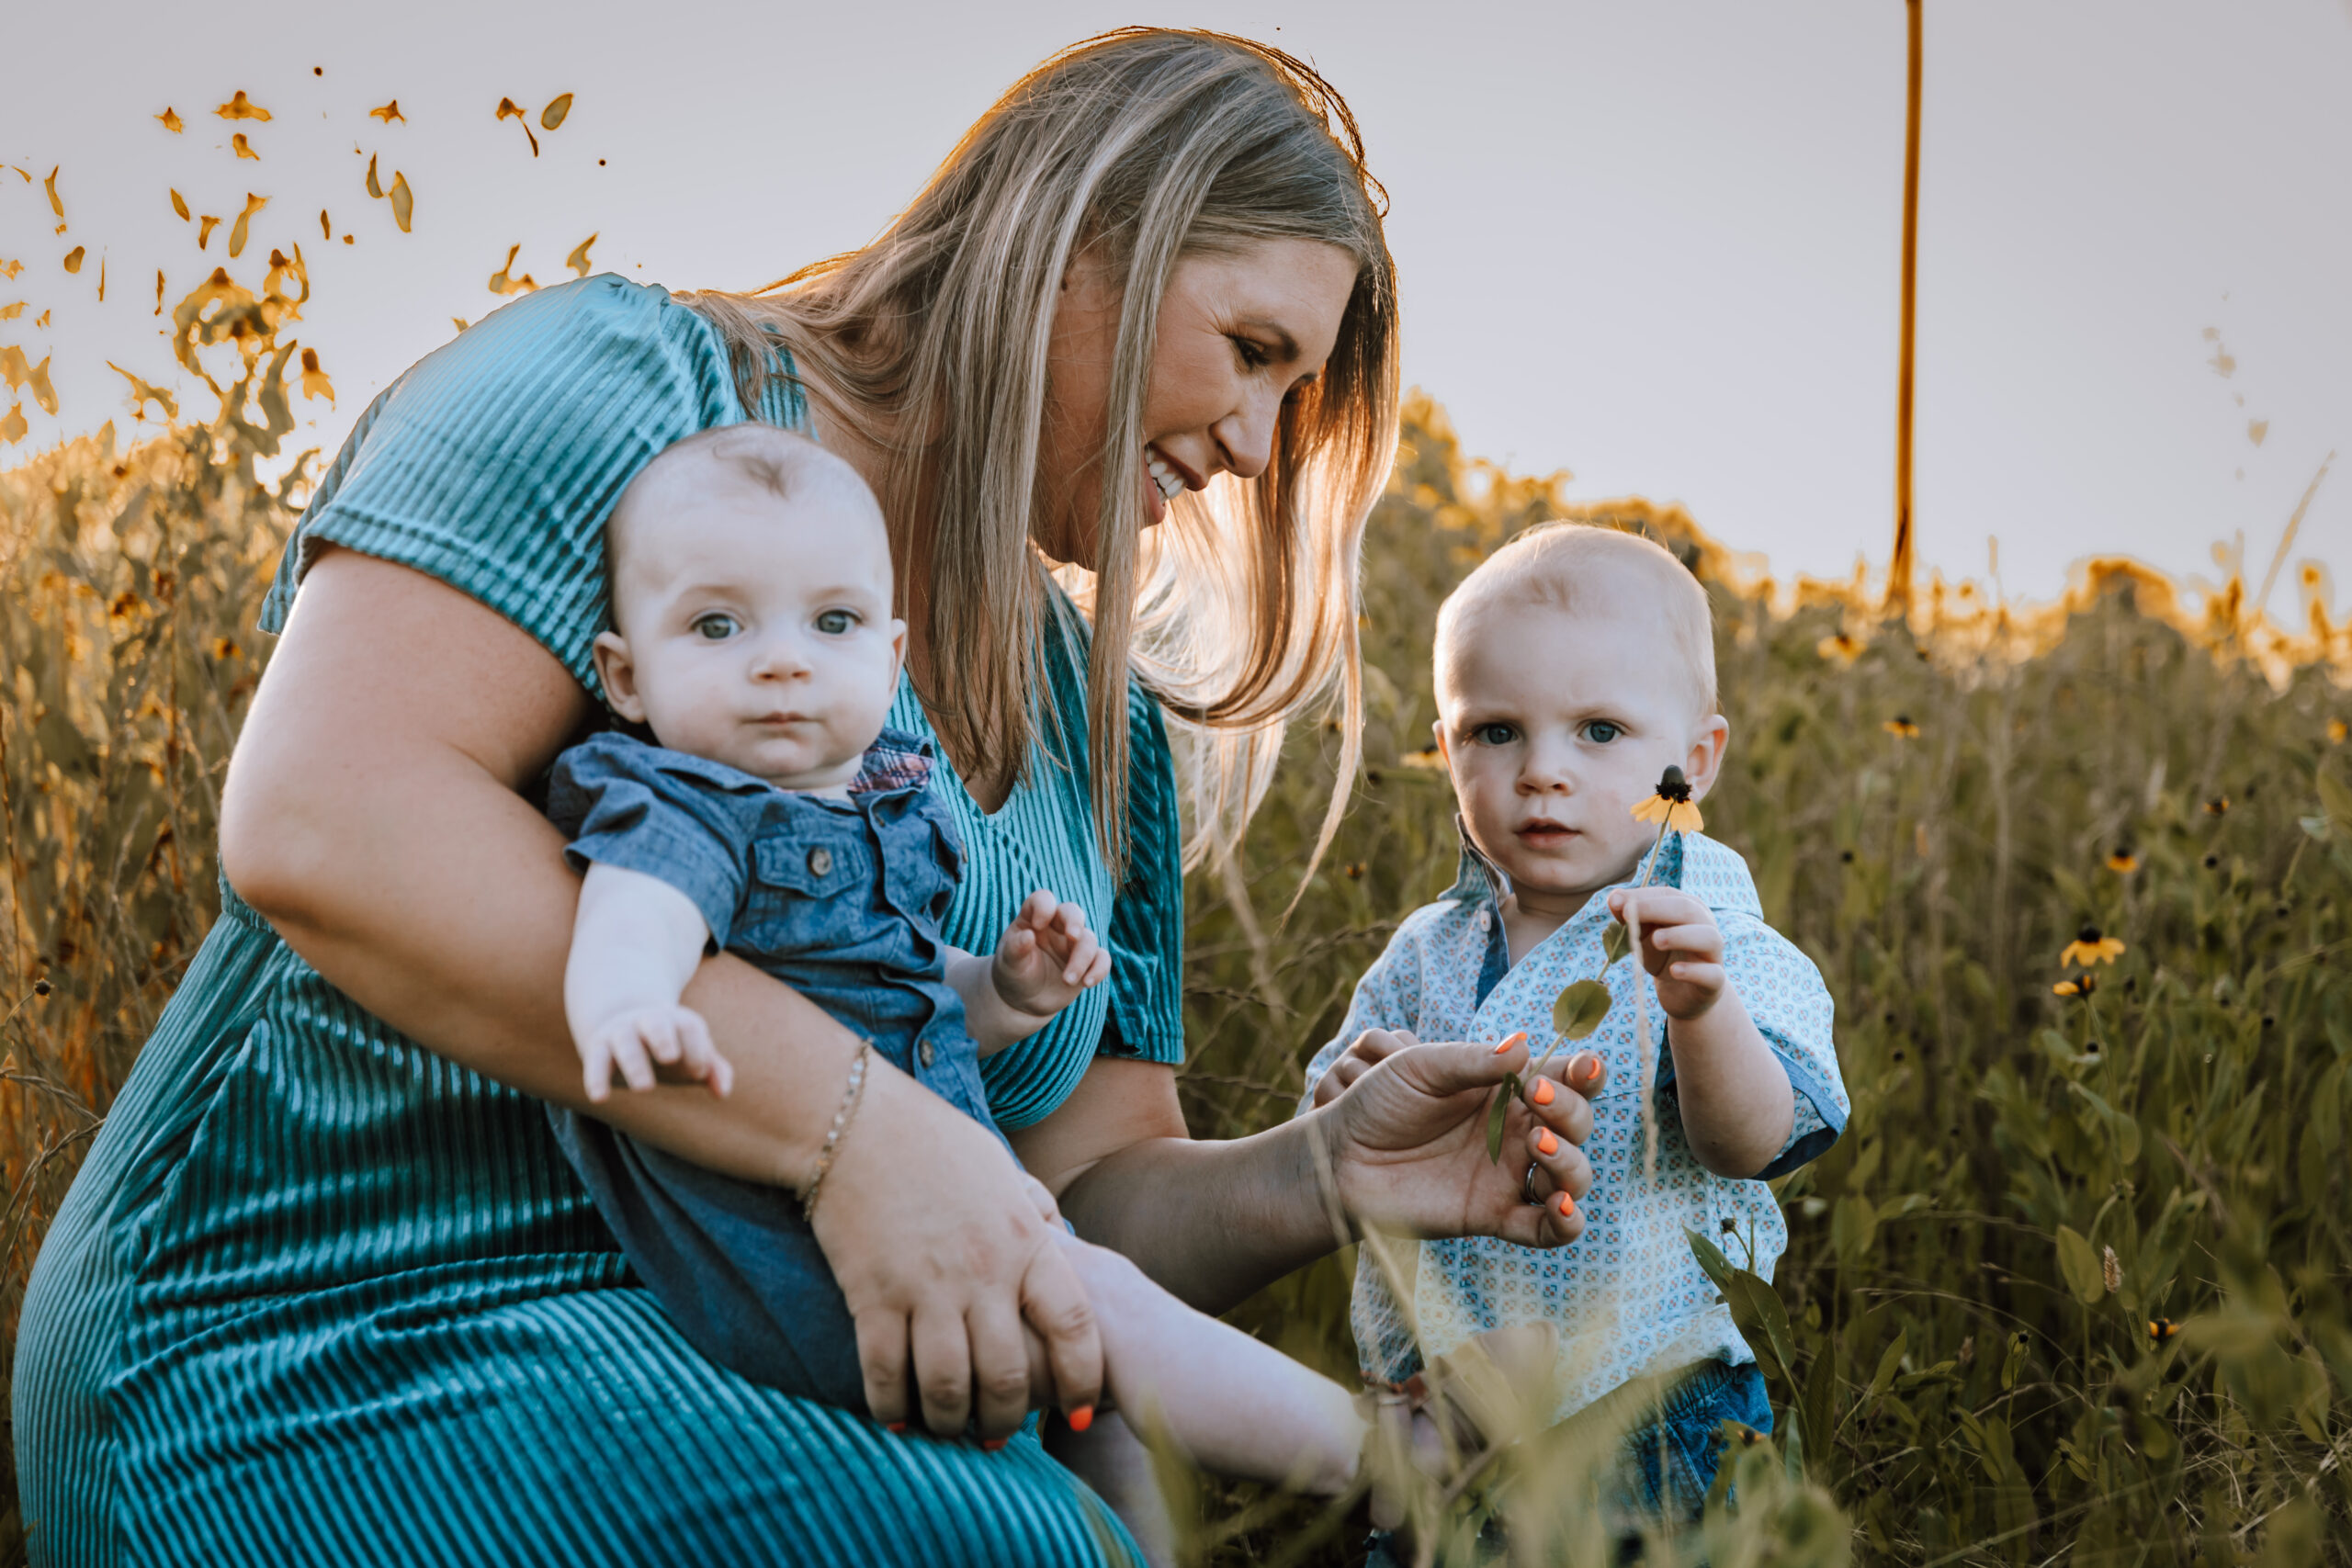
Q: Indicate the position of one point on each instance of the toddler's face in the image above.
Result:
(754, 630)
(1554, 726)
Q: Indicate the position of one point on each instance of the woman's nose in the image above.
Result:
(1246, 437)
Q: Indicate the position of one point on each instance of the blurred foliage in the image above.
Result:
(2030, 1179)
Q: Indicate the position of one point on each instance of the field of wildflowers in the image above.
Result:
(2072, 1289)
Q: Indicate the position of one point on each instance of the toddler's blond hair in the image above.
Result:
(1585, 569)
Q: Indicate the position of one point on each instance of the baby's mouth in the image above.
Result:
(1541, 832)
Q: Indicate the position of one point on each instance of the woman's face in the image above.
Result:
(1239, 332)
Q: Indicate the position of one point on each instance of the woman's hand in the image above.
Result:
(943, 1248)
(1406, 1139)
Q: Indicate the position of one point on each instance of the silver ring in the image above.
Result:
(1527, 1186)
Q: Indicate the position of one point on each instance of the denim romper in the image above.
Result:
(841, 900)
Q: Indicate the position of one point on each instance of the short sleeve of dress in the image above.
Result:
(670, 815)
(1793, 1011)
(493, 462)
(1145, 1021)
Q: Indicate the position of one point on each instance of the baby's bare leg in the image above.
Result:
(1234, 1405)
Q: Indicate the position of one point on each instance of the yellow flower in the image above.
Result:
(2336, 731)
(1840, 649)
(2081, 985)
(1901, 727)
(2217, 806)
(2123, 861)
(2089, 947)
(1671, 805)
(2161, 1329)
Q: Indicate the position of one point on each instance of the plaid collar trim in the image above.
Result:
(899, 759)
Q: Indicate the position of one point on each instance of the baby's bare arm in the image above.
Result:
(1738, 1106)
(635, 943)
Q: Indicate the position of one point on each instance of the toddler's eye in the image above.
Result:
(1600, 732)
(1495, 734)
(837, 623)
(715, 628)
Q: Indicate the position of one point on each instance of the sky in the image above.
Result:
(1653, 244)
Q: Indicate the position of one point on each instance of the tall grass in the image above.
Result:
(1967, 1368)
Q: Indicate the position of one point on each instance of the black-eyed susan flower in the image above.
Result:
(2336, 731)
(2080, 985)
(2217, 806)
(2161, 1329)
(1671, 806)
(2124, 861)
(1901, 728)
(1838, 649)
(2089, 947)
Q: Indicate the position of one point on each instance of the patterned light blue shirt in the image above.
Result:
(1627, 1296)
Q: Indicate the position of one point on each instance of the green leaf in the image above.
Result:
(1616, 941)
(1580, 1009)
(1504, 1095)
(2079, 1263)
(2335, 799)
(1889, 1362)
(1755, 1309)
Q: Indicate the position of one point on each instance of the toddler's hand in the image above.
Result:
(1681, 947)
(1046, 957)
(633, 1040)
(1368, 1050)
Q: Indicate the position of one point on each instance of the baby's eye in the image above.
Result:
(837, 623)
(715, 626)
(1495, 734)
(1600, 732)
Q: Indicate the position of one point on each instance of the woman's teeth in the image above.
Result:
(1170, 483)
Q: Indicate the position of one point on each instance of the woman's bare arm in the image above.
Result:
(1404, 1150)
(371, 817)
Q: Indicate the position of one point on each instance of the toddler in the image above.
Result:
(775, 816)
(1573, 667)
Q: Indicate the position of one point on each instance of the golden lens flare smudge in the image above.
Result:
(13, 427)
(102, 280)
(243, 148)
(10, 268)
(388, 113)
(374, 190)
(242, 108)
(180, 205)
(10, 312)
(169, 119)
(2090, 947)
(509, 109)
(143, 392)
(403, 203)
(460, 323)
(56, 202)
(159, 291)
(327, 230)
(204, 227)
(502, 285)
(73, 258)
(578, 260)
(551, 117)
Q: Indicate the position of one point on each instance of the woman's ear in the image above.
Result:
(618, 673)
(1706, 759)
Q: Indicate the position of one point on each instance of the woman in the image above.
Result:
(325, 1290)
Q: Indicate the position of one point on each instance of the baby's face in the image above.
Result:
(754, 630)
(1554, 726)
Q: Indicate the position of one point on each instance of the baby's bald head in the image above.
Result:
(1589, 571)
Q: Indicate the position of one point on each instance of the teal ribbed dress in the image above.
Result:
(321, 1296)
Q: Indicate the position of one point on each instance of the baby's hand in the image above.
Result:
(1681, 947)
(1046, 957)
(632, 1041)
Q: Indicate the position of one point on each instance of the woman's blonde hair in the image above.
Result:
(1138, 148)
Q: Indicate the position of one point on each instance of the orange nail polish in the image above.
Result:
(1542, 1093)
(992, 1444)
(1587, 1069)
(1516, 1038)
(1082, 1418)
(1568, 1207)
(1547, 1146)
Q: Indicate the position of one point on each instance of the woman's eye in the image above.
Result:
(1600, 732)
(714, 628)
(836, 623)
(1253, 356)
(1495, 734)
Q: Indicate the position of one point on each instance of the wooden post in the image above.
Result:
(1898, 575)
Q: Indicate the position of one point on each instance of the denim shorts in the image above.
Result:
(1670, 1463)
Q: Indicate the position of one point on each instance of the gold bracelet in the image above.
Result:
(850, 1093)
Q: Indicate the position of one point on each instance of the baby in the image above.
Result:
(1573, 667)
(774, 816)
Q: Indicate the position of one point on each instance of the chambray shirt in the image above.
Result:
(1627, 1296)
(842, 900)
